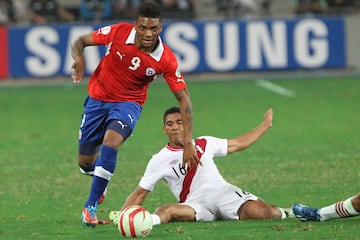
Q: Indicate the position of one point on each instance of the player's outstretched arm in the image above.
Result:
(77, 49)
(245, 140)
(137, 197)
(189, 156)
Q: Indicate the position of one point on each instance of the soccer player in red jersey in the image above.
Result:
(117, 91)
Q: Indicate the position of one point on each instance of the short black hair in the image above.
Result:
(149, 9)
(170, 111)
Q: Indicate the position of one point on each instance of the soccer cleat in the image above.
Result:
(305, 213)
(114, 217)
(88, 216)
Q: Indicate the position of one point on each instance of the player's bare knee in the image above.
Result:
(85, 161)
(116, 133)
(258, 210)
(164, 214)
(111, 143)
(269, 212)
(164, 208)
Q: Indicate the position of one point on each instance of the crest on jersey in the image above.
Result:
(178, 73)
(150, 72)
(175, 161)
(104, 30)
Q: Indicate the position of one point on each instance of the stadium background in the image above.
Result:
(310, 155)
(208, 44)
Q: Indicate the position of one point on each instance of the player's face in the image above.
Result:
(174, 129)
(147, 33)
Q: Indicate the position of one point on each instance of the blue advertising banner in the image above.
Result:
(200, 46)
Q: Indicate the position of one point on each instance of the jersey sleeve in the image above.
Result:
(217, 145)
(151, 175)
(104, 35)
(172, 74)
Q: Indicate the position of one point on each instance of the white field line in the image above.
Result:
(275, 88)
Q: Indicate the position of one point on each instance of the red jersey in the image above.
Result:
(124, 73)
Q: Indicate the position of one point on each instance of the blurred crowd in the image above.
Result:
(326, 7)
(250, 8)
(54, 11)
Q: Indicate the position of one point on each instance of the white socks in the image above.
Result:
(340, 209)
(283, 213)
(156, 219)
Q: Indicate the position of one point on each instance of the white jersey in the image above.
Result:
(202, 188)
(191, 185)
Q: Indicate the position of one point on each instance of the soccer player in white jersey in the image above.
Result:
(342, 209)
(203, 194)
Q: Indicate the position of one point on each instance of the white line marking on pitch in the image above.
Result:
(275, 88)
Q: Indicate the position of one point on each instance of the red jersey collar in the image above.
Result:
(174, 149)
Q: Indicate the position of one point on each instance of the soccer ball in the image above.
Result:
(135, 221)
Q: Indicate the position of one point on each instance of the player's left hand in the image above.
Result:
(78, 70)
(268, 118)
(190, 157)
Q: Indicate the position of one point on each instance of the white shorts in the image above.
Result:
(220, 205)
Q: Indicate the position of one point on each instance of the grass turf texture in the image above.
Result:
(311, 155)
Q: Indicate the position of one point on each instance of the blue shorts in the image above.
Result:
(97, 114)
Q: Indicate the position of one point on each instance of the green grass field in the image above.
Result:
(311, 155)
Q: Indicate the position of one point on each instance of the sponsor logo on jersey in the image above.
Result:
(123, 125)
(178, 73)
(131, 118)
(120, 55)
(150, 72)
(173, 162)
(104, 30)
